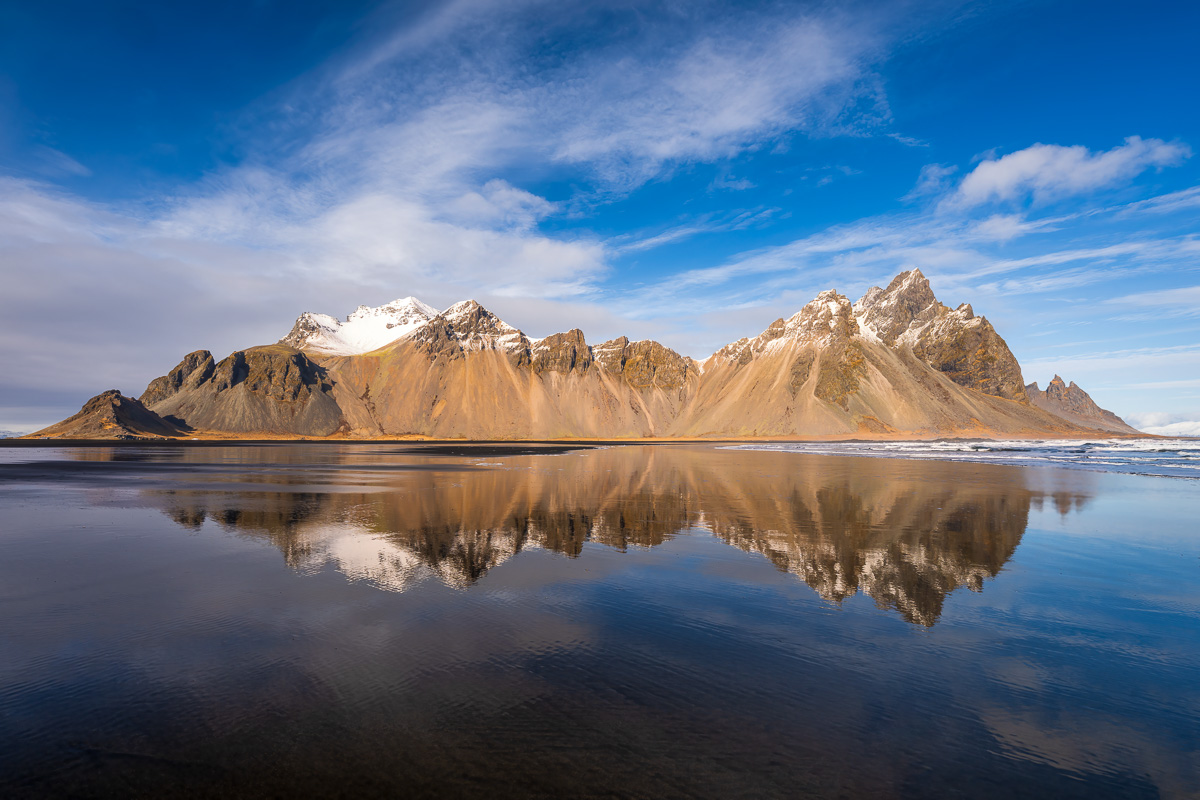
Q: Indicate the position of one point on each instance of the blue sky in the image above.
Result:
(178, 176)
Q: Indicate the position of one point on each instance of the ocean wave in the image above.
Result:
(1172, 458)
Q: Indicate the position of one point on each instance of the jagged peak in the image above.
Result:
(463, 307)
(475, 319)
(903, 311)
(828, 316)
(825, 311)
(467, 325)
(1071, 402)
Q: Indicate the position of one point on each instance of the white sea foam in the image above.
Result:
(1174, 458)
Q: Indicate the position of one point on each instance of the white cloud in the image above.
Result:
(1004, 227)
(1190, 428)
(1128, 370)
(908, 141)
(389, 173)
(1164, 423)
(499, 204)
(1047, 172)
(716, 96)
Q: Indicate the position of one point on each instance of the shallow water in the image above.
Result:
(641, 621)
(1172, 458)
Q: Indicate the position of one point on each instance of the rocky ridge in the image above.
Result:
(1076, 405)
(274, 389)
(960, 345)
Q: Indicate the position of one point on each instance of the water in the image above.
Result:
(1174, 458)
(642, 621)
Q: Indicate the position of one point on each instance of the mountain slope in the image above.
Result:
(1075, 405)
(468, 373)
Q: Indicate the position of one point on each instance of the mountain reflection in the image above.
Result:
(905, 533)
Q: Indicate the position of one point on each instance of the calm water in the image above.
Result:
(669, 621)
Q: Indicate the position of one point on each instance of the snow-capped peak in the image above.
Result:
(405, 308)
(477, 328)
(470, 310)
(366, 329)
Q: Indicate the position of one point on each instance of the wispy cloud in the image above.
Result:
(384, 173)
(960, 249)
(933, 179)
(1046, 172)
(1180, 302)
(55, 163)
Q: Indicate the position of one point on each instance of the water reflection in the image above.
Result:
(153, 655)
(905, 533)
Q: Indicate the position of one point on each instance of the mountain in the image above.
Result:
(1074, 404)
(467, 373)
(112, 415)
(272, 389)
(364, 330)
(897, 362)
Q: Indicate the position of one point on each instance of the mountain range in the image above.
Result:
(895, 363)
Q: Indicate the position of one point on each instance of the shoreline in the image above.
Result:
(208, 441)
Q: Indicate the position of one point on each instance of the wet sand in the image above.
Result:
(642, 621)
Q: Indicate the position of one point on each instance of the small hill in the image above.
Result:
(112, 415)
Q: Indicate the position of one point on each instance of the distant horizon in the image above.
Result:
(173, 181)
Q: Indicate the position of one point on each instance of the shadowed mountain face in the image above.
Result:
(895, 362)
(905, 533)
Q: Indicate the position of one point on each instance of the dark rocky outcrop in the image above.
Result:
(194, 369)
(272, 390)
(645, 364)
(112, 415)
(562, 352)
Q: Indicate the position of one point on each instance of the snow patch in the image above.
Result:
(364, 330)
